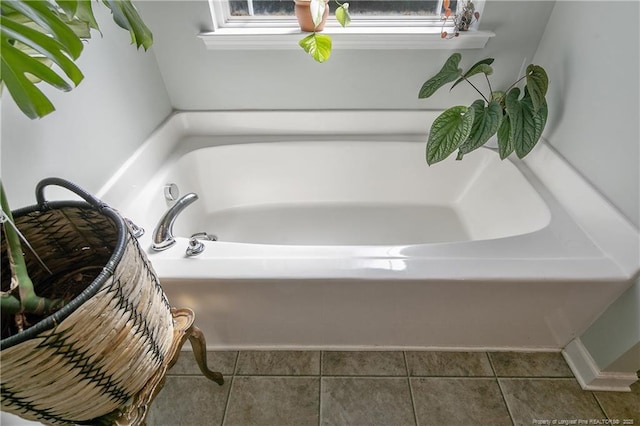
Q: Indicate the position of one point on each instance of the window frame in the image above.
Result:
(364, 32)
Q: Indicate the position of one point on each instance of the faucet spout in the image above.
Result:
(163, 234)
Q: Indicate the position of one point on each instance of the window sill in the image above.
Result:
(365, 38)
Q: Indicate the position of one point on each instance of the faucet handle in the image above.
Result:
(195, 247)
(204, 236)
(136, 230)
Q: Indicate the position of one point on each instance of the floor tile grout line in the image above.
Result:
(413, 402)
(497, 379)
(320, 385)
(432, 376)
(604, 412)
(338, 376)
(320, 389)
(493, 368)
(226, 405)
(537, 378)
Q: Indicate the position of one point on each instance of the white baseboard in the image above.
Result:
(588, 373)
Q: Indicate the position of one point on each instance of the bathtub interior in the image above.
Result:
(347, 193)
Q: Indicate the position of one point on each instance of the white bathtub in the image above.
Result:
(355, 242)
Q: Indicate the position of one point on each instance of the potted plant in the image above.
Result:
(312, 15)
(85, 323)
(517, 116)
(462, 20)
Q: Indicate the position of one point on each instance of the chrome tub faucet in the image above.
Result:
(163, 233)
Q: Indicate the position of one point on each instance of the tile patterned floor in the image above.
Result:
(393, 388)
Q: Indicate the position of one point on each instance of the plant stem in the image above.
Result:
(514, 84)
(27, 301)
(489, 84)
(10, 304)
(477, 90)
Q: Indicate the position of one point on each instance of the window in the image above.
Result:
(376, 24)
(357, 8)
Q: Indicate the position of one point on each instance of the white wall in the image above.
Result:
(96, 126)
(201, 79)
(614, 339)
(591, 50)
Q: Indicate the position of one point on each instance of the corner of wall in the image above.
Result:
(589, 374)
(607, 355)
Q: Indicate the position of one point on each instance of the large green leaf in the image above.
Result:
(13, 66)
(84, 13)
(537, 84)
(448, 73)
(126, 16)
(43, 44)
(482, 66)
(505, 144)
(35, 34)
(539, 120)
(317, 45)
(486, 123)
(26, 50)
(519, 119)
(69, 7)
(526, 125)
(448, 131)
(82, 21)
(46, 16)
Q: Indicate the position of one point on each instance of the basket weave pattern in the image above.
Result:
(106, 349)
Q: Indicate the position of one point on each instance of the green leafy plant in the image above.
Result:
(462, 20)
(34, 35)
(517, 116)
(319, 45)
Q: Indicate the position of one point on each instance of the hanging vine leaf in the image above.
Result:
(316, 8)
(448, 73)
(317, 45)
(448, 131)
(342, 15)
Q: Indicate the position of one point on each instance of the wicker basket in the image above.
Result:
(89, 358)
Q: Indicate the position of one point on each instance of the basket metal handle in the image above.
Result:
(89, 198)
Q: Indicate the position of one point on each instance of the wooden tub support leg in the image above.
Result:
(199, 347)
